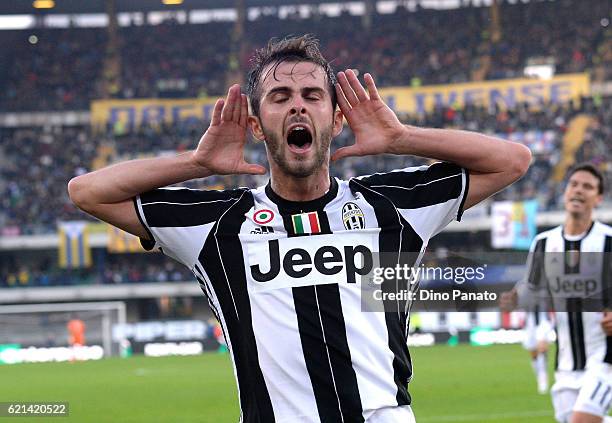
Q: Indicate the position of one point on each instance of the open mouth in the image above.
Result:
(299, 138)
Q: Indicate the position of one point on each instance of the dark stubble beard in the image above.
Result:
(298, 168)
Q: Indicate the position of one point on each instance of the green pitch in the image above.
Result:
(450, 384)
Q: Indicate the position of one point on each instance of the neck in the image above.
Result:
(576, 225)
(300, 189)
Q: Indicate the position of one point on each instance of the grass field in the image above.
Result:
(451, 384)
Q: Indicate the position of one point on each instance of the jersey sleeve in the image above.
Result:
(428, 197)
(179, 220)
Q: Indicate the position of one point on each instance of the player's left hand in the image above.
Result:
(508, 300)
(606, 323)
(374, 124)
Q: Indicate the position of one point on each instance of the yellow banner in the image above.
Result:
(74, 249)
(506, 93)
(122, 242)
(132, 113)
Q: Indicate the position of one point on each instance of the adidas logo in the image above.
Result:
(263, 230)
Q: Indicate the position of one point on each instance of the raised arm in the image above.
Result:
(493, 163)
(108, 193)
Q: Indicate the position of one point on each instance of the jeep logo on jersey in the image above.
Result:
(291, 263)
(352, 216)
(569, 287)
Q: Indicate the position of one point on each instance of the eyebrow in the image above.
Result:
(286, 89)
(588, 184)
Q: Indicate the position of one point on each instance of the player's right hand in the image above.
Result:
(508, 301)
(221, 148)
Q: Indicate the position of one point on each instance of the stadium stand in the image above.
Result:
(62, 71)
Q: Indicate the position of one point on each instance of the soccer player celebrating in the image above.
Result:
(559, 261)
(280, 264)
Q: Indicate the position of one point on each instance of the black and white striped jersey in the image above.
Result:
(282, 277)
(576, 273)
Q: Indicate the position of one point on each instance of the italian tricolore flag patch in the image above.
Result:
(306, 223)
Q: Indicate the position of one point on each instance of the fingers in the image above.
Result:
(343, 152)
(216, 114)
(234, 108)
(347, 90)
(352, 88)
(230, 102)
(372, 90)
(237, 109)
(234, 103)
(345, 107)
(356, 85)
(244, 110)
(252, 169)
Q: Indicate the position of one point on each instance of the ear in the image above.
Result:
(338, 123)
(599, 200)
(255, 126)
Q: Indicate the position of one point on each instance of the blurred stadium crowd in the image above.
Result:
(63, 69)
(111, 269)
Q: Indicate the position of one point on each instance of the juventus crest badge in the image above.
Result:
(353, 217)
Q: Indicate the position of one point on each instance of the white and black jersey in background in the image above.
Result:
(282, 277)
(560, 263)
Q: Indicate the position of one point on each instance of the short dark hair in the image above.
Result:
(588, 167)
(304, 48)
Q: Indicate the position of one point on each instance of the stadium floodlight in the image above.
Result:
(45, 324)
